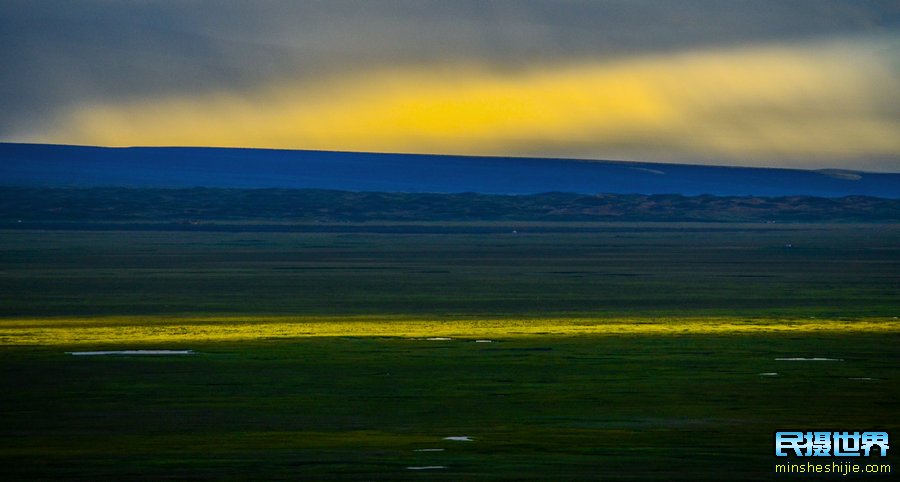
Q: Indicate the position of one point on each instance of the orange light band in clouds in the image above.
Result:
(794, 103)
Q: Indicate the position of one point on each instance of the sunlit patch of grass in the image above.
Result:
(179, 330)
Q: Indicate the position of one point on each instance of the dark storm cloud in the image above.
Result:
(59, 54)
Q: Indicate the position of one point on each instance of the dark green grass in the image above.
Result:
(627, 407)
(583, 408)
(676, 270)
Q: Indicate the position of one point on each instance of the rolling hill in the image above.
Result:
(41, 165)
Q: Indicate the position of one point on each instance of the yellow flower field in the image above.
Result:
(119, 330)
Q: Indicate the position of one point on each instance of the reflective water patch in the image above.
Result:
(461, 438)
(809, 359)
(131, 352)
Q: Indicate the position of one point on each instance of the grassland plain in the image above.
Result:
(783, 271)
(625, 352)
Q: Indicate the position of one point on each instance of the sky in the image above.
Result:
(783, 83)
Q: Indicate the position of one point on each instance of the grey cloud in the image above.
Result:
(59, 53)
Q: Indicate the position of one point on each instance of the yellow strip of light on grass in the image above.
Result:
(144, 330)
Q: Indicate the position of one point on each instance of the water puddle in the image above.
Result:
(131, 352)
(809, 359)
(461, 438)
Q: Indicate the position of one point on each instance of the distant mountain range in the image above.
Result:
(218, 208)
(41, 165)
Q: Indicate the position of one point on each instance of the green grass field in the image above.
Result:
(630, 352)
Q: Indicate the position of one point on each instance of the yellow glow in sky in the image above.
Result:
(798, 104)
